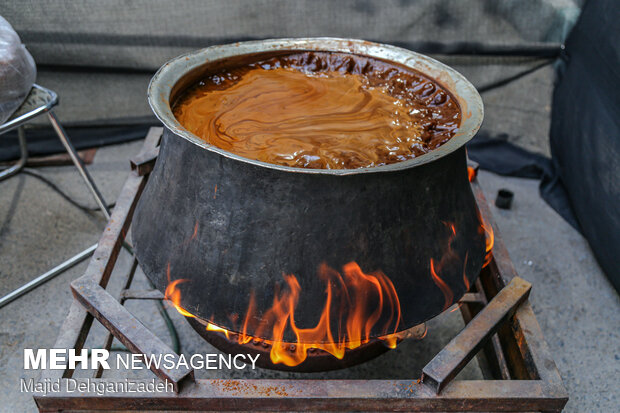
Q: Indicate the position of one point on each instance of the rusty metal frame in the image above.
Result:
(523, 376)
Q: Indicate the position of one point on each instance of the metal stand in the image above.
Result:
(500, 327)
(41, 101)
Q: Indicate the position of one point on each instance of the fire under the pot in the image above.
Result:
(355, 302)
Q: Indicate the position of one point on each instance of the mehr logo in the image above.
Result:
(60, 359)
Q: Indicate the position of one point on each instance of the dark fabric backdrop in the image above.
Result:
(585, 129)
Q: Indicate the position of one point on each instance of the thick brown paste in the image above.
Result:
(320, 110)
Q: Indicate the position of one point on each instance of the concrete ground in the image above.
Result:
(577, 308)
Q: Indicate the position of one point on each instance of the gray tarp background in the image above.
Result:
(142, 34)
(99, 55)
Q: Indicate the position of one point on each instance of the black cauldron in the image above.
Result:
(232, 226)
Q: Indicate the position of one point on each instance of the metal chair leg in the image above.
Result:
(90, 183)
(59, 269)
(23, 148)
(62, 135)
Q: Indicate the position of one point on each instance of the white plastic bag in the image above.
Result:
(17, 71)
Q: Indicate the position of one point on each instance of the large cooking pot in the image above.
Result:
(233, 226)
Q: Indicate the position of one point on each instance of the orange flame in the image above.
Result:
(471, 173)
(490, 239)
(213, 327)
(447, 292)
(465, 279)
(465, 283)
(488, 230)
(355, 302)
(448, 256)
(174, 295)
(195, 233)
(486, 227)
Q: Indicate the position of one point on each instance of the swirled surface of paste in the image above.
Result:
(320, 110)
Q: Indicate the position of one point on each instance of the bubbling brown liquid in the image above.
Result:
(320, 110)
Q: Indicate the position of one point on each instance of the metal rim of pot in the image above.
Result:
(163, 83)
